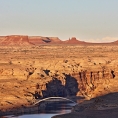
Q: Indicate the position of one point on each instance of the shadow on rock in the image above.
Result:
(54, 88)
(100, 107)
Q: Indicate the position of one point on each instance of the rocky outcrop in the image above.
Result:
(73, 81)
(56, 88)
(87, 83)
(44, 40)
(73, 40)
(14, 40)
(36, 40)
(100, 107)
(88, 71)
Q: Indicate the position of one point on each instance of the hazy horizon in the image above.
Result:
(87, 20)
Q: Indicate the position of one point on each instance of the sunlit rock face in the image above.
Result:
(14, 40)
(59, 70)
(95, 82)
(21, 40)
(87, 83)
(73, 40)
(44, 40)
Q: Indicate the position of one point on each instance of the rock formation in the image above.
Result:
(37, 40)
(73, 40)
(14, 40)
(19, 40)
(58, 70)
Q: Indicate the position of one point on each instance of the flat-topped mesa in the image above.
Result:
(44, 40)
(14, 40)
(21, 40)
(35, 40)
(54, 39)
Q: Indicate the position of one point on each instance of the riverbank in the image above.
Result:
(47, 105)
(101, 107)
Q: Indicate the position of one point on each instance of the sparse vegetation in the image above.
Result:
(41, 64)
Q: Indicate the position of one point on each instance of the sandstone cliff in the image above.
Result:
(37, 40)
(19, 40)
(14, 40)
(58, 70)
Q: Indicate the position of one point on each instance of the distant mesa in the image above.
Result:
(73, 40)
(21, 40)
(44, 40)
(36, 40)
(14, 40)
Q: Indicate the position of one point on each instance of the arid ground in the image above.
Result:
(89, 70)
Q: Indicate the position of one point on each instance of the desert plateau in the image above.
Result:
(34, 67)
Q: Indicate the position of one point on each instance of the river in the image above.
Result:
(51, 109)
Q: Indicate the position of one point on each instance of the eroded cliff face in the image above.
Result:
(37, 40)
(95, 82)
(86, 83)
(63, 70)
(73, 81)
(64, 78)
(15, 40)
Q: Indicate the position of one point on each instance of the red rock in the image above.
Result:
(36, 40)
(44, 40)
(19, 40)
(73, 40)
(14, 40)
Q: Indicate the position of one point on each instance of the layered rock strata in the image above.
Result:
(58, 70)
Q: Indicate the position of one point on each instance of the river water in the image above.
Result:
(55, 108)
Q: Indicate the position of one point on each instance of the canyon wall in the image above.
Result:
(30, 72)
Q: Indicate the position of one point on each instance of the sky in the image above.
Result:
(87, 20)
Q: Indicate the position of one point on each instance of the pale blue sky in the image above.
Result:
(88, 20)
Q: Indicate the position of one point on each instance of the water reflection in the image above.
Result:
(51, 109)
(33, 116)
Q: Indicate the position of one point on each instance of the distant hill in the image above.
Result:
(73, 40)
(15, 40)
(44, 40)
(115, 42)
(20, 40)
